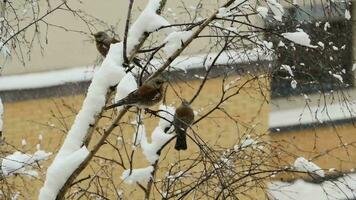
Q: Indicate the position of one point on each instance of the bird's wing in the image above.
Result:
(149, 93)
(113, 40)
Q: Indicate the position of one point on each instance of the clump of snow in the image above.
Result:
(175, 40)
(353, 67)
(321, 44)
(23, 142)
(167, 114)
(338, 77)
(303, 165)
(347, 14)
(281, 44)
(246, 142)
(159, 138)
(59, 172)
(19, 163)
(340, 188)
(141, 175)
(1, 115)
(263, 11)
(326, 26)
(276, 8)
(223, 12)
(288, 69)
(293, 84)
(148, 21)
(299, 37)
(126, 86)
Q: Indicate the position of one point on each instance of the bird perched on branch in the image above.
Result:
(103, 42)
(183, 119)
(145, 96)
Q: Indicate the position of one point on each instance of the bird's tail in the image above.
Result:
(181, 142)
(119, 103)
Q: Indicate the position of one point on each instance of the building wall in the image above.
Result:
(53, 116)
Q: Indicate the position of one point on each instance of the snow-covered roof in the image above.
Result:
(79, 74)
(339, 189)
(310, 115)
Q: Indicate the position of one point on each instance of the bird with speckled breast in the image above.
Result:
(183, 119)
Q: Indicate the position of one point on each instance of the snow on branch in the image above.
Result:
(140, 175)
(20, 163)
(175, 40)
(151, 150)
(159, 138)
(147, 22)
(299, 37)
(72, 153)
(303, 165)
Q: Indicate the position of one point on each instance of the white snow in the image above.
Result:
(281, 44)
(338, 77)
(167, 115)
(288, 69)
(148, 21)
(140, 175)
(126, 86)
(223, 12)
(353, 67)
(23, 142)
(326, 26)
(293, 84)
(159, 138)
(1, 115)
(338, 189)
(347, 14)
(45, 79)
(321, 44)
(303, 165)
(246, 142)
(263, 11)
(109, 74)
(299, 37)
(175, 40)
(276, 8)
(19, 163)
(59, 172)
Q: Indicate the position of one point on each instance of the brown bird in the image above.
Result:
(145, 96)
(183, 119)
(103, 42)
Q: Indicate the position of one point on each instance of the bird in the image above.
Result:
(147, 95)
(183, 118)
(103, 42)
